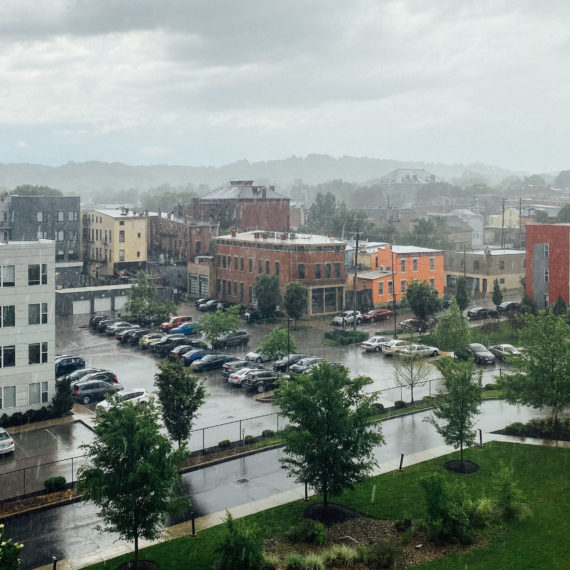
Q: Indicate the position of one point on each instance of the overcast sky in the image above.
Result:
(210, 82)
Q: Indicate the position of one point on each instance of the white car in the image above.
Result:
(505, 351)
(6, 442)
(134, 395)
(347, 318)
(236, 378)
(415, 350)
(255, 356)
(374, 343)
(394, 346)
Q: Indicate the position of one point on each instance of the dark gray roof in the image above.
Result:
(409, 176)
(243, 190)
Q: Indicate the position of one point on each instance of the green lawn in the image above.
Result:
(540, 541)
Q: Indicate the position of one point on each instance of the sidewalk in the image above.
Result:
(214, 519)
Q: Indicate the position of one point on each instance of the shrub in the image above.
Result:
(17, 419)
(517, 428)
(270, 562)
(380, 407)
(248, 439)
(9, 552)
(382, 554)
(54, 484)
(294, 561)
(346, 336)
(5, 421)
(508, 495)
(399, 404)
(478, 511)
(62, 401)
(313, 562)
(224, 443)
(403, 525)
(308, 530)
(241, 547)
(267, 433)
(341, 555)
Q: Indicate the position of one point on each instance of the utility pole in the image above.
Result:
(520, 222)
(354, 283)
(464, 262)
(394, 293)
(503, 227)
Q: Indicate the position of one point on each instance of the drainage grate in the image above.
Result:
(242, 481)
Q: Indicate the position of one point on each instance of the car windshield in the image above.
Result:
(478, 347)
(4, 435)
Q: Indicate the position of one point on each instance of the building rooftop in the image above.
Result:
(243, 190)
(375, 274)
(409, 176)
(412, 249)
(282, 238)
(497, 251)
(123, 213)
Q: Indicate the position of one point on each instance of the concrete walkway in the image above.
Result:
(214, 519)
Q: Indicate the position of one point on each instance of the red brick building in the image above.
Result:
(315, 261)
(547, 263)
(243, 206)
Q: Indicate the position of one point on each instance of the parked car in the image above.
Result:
(174, 322)
(416, 350)
(123, 335)
(347, 318)
(210, 305)
(260, 380)
(505, 351)
(146, 340)
(416, 325)
(211, 362)
(480, 313)
(478, 352)
(376, 315)
(234, 366)
(117, 326)
(301, 366)
(104, 323)
(374, 343)
(68, 364)
(509, 307)
(237, 376)
(78, 374)
(94, 320)
(93, 390)
(133, 336)
(177, 352)
(133, 395)
(257, 356)
(282, 364)
(163, 346)
(394, 346)
(194, 354)
(7, 444)
(234, 338)
(189, 327)
(201, 301)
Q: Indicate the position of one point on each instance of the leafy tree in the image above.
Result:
(541, 217)
(241, 547)
(430, 233)
(330, 442)
(497, 293)
(214, 325)
(542, 377)
(410, 371)
(564, 214)
(29, 190)
(10, 552)
(563, 179)
(266, 290)
(527, 305)
(422, 299)
(461, 293)
(62, 401)
(131, 472)
(452, 332)
(277, 343)
(142, 306)
(458, 404)
(559, 307)
(180, 395)
(167, 197)
(295, 300)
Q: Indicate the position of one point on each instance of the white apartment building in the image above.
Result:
(27, 325)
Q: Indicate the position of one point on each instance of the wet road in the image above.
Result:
(68, 531)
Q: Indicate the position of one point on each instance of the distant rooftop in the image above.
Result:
(409, 176)
(374, 274)
(413, 249)
(282, 238)
(497, 251)
(243, 189)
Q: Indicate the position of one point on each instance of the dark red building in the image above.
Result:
(547, 263)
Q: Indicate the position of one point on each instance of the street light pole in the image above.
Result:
(354, 283)
(288, 345)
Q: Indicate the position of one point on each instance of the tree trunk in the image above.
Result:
(136, 550)
(461, 455)
(412, 394)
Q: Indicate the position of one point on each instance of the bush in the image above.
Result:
(517, 428)
(403, 525)
(270, 562)
(490, 386)
(399, 404)
(313, 562)
(267, 433)
(341, 555)
(308, 530)
(17, 419)
(382, 554)
(478, 511)
(54, 484)
(248, 439)
(62, 401)
(346, 336)
(294, 561)
(10, 552)
(4, 421)
(224, 443)
(379, 407)
(241, 547)
(508, 495)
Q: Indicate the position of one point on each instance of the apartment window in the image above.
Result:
(34, 394)
(41, 217)
(403, 286)
(236, 263)
(72, 216)
(138, 253)
(501, 265)
(8, 399)
(139, 235)
(432, 263)
(432, 283)
(475, 265)
(37, 314)
(198, 247)
(318, 271)
(259, 266)
(301, 271)
(122, 222)
(73, 235)
(7, 275)
(60, 235)
(546, 274)
(61, 216)
(415, 265)
(381, 288)
(223, 288)
(38, 352)
(229, 261)
(44, 392)
(327, 270)
(121, 255)
(37, 274)
(250, 265)
(276, 268)
(224, 261)
(41, 234)
(390, 288)
(217, 261)
(241, 262)
(7, 356)
(8, 316)
(241, 292)
(546, 251)
(267, 266)
(235, 288)
(337, 270)
(402, 266)
(121, 236)
(502, 281)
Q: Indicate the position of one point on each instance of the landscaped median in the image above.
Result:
(539, 541)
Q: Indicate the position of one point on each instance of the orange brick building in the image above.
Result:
(315, 261)
(398, 266)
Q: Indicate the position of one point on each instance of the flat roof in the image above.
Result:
(118, 213)
(374, 274)
(413, 249)
(498, 251)
(35, 243)
(275, 237)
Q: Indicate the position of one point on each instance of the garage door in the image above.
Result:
(103, 304)
(120, 302)
(81, 307)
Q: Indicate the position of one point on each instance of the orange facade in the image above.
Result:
(397, 268)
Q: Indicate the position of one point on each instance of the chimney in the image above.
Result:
(234, 232)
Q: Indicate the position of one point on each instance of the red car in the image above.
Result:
(174, 322)
(376, 315)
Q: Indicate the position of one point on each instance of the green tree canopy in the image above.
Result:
(180, 395)
(422, 299)
(564, 214)
(214, 325)
(497, 293)
(332, 436)
(452, 332)
(167, 197)
(29, 190)
(563, 179)
(430, 233)
(10, 552)
(131, 472)
(295, 300)
(278, 342)
(142, 306)
(266, 290)
(458, 404)
(461, 293)
(542, 377)
(559, 307)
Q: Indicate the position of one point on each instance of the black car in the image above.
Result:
(135, 335)
(260, 380)
(479, 353)
(94, 319)
(164, 348)
(104, 375)
(123, 335)
(235, 365)
(78, 374)
(67, 364)
(201, 301)
(235, 338)
(104, 323)
(416, 325)
(283, 364)
(164, 341)
(177, 352)
(94, 390)
(509, 307)
(211, 362)
(481, 313)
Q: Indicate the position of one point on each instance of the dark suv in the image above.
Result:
(167, 343)
(260, 380)
(509, 307)
(67, 364)
(283, 364)
(480, 313)
(92, 390)
(234, 338)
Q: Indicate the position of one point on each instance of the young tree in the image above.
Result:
(295, 300)
(330, 443)
(497, 293)
(422, 299)
(180, 395)
(452, 332)
(410, 371)
(266, 290)
(559, 307)
(542, 377)
(131, 472)
(214, 325)
(456, 406)
(461, 293)
(62, 401)
(142, 306)
(241, 545)
(277, 343)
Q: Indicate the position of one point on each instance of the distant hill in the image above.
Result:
(87, 178)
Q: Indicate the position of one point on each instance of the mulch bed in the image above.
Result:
(462, 467)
